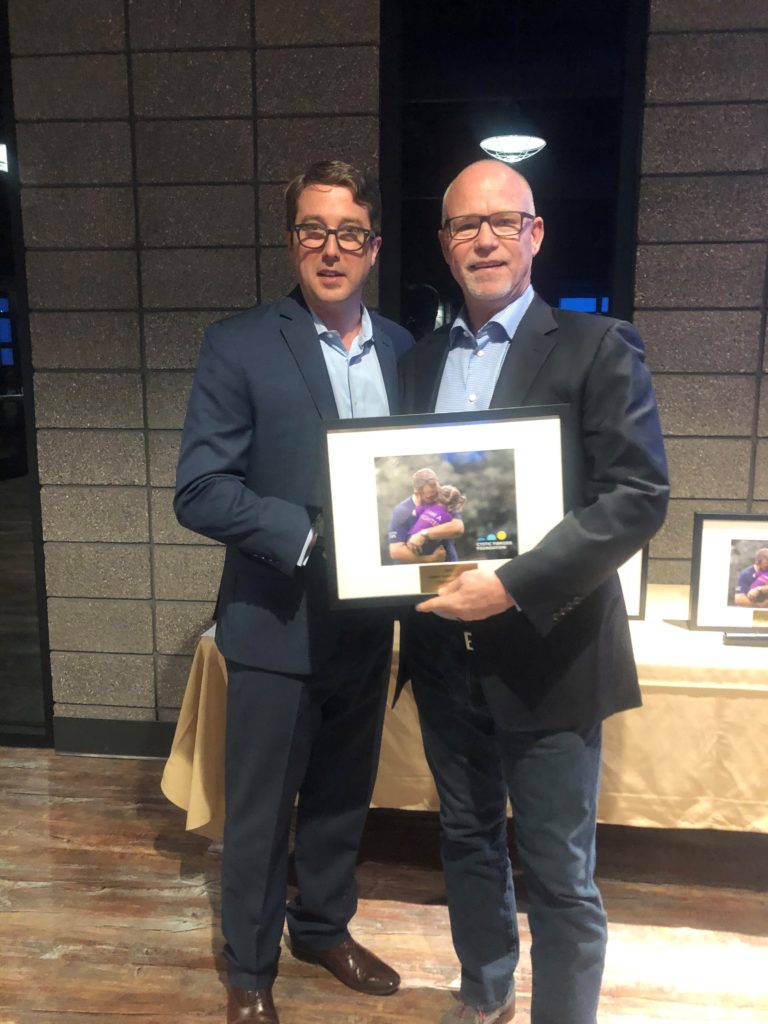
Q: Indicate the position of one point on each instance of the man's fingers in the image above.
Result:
(437, 606)
(450, 587)
(442, 605)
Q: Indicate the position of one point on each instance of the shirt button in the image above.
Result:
(480, 352)
(472, 397)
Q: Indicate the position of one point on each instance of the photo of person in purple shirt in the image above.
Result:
(752, 582)
(400, 536)
(448, 504)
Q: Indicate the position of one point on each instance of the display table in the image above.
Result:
(694, 756)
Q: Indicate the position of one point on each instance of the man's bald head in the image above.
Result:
(482, 172)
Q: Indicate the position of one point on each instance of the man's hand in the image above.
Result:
(475, 594)
(401, 552)
(445, 531)
(416, 541)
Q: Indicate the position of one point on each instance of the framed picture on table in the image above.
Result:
(729, 573)
(495, 476)
(633, 575)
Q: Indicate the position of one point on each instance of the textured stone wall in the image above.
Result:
(154, 141)
(701, 262)
(155, 138)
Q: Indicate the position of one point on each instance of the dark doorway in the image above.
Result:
(454, 73)
(25, 697)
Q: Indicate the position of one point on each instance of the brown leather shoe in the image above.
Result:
(253, 1006)
(353, 965)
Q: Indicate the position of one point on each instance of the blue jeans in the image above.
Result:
(552, 780)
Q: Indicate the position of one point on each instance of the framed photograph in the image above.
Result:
(729, 572)
(634, 583)
(415, 500)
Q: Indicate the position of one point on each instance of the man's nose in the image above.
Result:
(331, 249)
(486, 239)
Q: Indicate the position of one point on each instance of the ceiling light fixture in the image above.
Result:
(512, 148)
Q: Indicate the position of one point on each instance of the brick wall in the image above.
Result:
(154, 141)
(155, 138)
(700, 290)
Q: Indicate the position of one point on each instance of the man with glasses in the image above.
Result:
(306, 685)
(514, 670)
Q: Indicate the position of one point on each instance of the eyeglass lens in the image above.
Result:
(348, 237)
(507, 224)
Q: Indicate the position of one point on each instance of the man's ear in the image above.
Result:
(537, 234)
(375, 246)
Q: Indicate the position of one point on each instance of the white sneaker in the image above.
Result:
(463, 1014)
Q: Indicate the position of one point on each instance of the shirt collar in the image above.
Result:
(501, 326)
(366, 326)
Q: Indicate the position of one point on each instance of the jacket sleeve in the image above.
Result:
(212, 497)
(625, 489)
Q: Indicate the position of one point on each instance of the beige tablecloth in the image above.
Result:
(694, 756)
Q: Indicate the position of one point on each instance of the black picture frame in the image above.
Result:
(723, 544)
(513, 458)
(633, 575)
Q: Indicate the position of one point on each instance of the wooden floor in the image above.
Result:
(109, 913)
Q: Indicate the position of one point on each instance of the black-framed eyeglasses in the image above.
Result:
(349, 237)
(506, 224)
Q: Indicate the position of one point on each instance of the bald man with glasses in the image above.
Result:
(306, 685)
(514, 670)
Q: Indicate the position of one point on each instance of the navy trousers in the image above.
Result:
(316, 737)
(552, 781)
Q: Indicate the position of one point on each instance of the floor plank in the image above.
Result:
(109, 910)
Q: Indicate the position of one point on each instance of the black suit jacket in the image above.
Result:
(249, 475)
(565, 659)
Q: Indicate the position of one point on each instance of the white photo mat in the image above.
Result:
(534, 435)
(714, 536)
(633, 576)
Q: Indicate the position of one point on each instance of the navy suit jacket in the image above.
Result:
(565, 660)
(250, 475)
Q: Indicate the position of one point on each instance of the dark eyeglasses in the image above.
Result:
(507, 224)
(349, 237)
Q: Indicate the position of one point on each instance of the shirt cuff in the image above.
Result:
(304, 556)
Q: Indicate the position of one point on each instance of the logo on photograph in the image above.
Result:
(495, 540)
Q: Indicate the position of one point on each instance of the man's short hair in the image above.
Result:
(761, 553)
(422, 477)
(363, 186)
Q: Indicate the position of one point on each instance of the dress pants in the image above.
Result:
(552, 780)
(317, 737)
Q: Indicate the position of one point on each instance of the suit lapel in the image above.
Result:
(385, 353)
(439, 363)
(431, 354)
(298, 329)
(534, 339)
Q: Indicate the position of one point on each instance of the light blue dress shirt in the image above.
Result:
(474, 361)
(356, 377)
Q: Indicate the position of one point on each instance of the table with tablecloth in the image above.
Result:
(694, 756)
